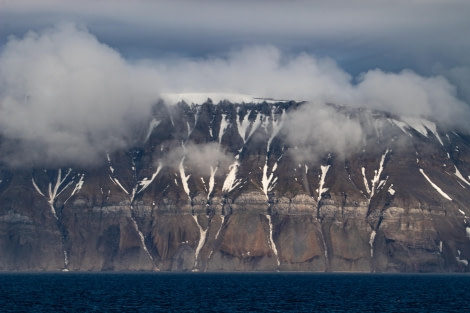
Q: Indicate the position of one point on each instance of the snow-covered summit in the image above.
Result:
(216, 97)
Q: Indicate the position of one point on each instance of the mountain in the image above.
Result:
(246, 187)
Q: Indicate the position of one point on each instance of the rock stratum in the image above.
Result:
(219, 187)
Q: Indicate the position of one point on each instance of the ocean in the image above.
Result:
(233, 292)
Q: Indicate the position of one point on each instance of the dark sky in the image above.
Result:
(430, 36)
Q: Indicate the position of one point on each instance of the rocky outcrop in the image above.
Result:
(216, 188)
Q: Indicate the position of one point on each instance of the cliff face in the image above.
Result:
(219, 188)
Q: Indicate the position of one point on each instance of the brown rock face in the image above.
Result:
(219, 188)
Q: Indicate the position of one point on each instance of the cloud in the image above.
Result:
(314, 130)
(199, 158)
(67, 98)
(264, 71)
(409, 94)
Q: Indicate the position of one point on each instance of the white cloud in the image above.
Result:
(65, 97)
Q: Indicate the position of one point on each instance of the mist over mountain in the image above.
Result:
(67, 98)
(306, 137)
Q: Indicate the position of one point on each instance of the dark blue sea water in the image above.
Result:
(197, 292)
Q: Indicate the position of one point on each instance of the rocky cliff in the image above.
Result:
(221, 187)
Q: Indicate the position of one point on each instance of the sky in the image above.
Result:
(61, 60)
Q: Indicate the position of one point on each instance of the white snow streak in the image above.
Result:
(268, 183)
(221, 224)
(231, 181)
(271, 241)
(400, 125)
(200, 98)
(78, 186)
(371, 243)
(324, 170)
(377, 174)
(374, 182)
(416, 124)
(242, 124)
(118, 183)
(459, 175)
(391, 190)
(184, 179)
(144, 183)
(56, 190)
(465, 262)
(36, 187)
(202, 239)
(276, 126)
(111, 169)
(223, 127)
(366, 183)
(422, 126)
(254, 126)
(432, 127)
(211, 181)
(141, 237)
(467, 231)
(153, 124)
(439, 190)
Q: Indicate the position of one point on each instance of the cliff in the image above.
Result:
(221, 187)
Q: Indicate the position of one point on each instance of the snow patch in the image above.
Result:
(144, 183)
(271, 241)
(184, 178)
(467, 231)
(324, 170)
(78, 186)
(459, 175)
(459, 260)
(371, 243)
(211, 181)
(439, 190)
(422, 126)
(202, 239)
(231, 181)
(366, 183)
(416, 124)
(56, 190)
(221, 224)
(377, 174)
(200, 98)
(391, 190)
(141, 237)
(276, 126)
(268, 183)
(36, 187)
(118, 183)
(242, 124)
(400, 125)
(153, 124)
(223, 127)
(432, 127)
